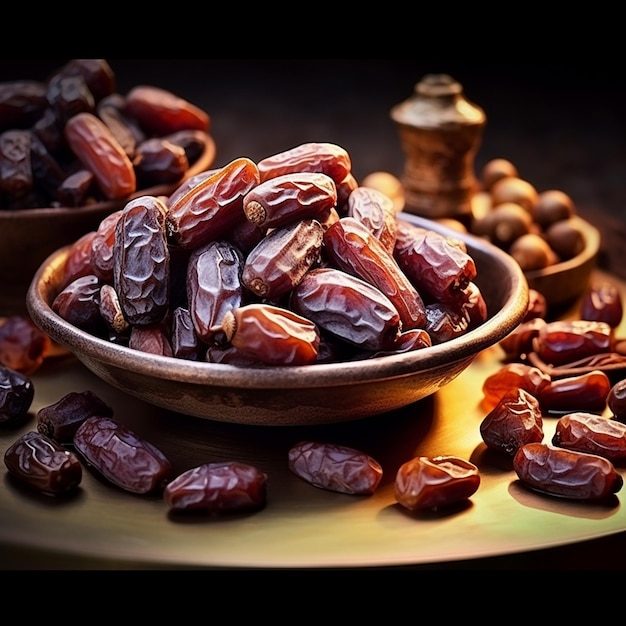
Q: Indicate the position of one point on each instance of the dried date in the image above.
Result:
(375, 210)
(350, 246)
(61, 420)
(16, 395)
(43, 464)
(583, 392)
(347, 307)
(335, 468)
(602, 302)
(23, 346)
(219, 487)
(272, 334)
(566, 341)
(513, 376)
(100, 152)
(567, 473)
(291, 197)
(78, 304)
(424, 483)
(141, 261)
(513, 422)
(213, 287)
(281, 259)
(212, 207)
(616, 400)
(588, 432)
(121, 456)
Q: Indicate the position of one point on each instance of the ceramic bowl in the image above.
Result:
(562, 283)
(29, 236)
(293, 395)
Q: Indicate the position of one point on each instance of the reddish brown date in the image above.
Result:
(584, 392)
(435, 264)
(160, 112)
(566, 341)
(61, 420)
(16, 394)
(335, 468)
(100, 152)
(272, 334)
(102, 247)
(23, 346)
(602, 302)
(151, 338)
(567, 473)
(16, 177)
(435, 482)
(219, 487)
(78, 304)
(327, 158)
(291, 197)
(281, 259)
(513, 422)
(616, 400)
(43, 464)
(141, 261)
(211, 208)
(588, 432)
(353, 248)
(213, 287)
(513, 376)
(159, 162)
(374, 209)
(347, 307)
(121, 456)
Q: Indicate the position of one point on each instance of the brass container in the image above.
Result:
(440, 132)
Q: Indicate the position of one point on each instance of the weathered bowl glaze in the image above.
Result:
(303, 395)
(29, 236)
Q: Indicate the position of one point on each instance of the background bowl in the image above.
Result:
(29, 236)
(302, 395)
(564, 282)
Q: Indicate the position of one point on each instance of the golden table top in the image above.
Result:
(103, 527)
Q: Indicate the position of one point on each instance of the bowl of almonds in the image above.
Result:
(73, 149)
(277, 292)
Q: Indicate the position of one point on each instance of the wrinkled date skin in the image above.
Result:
(515, 421)
(616, 400)
(588, 432)
(210, 209)
(376, 210)
(335, 467)
(353, 248)
(43, 464)
(78, 303)
(566, 341)
(141, 261)
(121, 456)
(347, 307)
(566, 473)
(61, 420)
(220, 487)
(284, 199)
(99, 151)
(282, 258)
(327, 158)
(435, 264)
(16, 394)
(435, 482)
(213, 287)
(272, 334)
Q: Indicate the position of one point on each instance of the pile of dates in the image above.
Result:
(74, 140)
(571, 371)
(535, 227)
(288, 261)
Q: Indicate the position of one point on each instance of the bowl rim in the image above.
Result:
(88, 347)
(202, 163)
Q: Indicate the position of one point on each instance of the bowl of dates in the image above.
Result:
(73, 149)
(269, 293)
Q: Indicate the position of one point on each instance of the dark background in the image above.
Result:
(563, 124)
